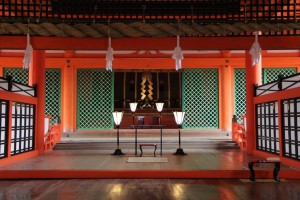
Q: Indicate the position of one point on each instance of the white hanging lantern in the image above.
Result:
(178, 117)
(117, 117)
(159, 106)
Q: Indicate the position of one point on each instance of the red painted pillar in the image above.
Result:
(37, 76)
(69, 93)
(68, 99)
(226, 98)
(253, 76)
(1, 71)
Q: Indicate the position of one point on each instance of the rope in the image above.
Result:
(141, 29)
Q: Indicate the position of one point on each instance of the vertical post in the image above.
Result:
(133, 106)
(159, 123)
(159, 107)
(132, 118)
(179, 139)
(179, 119)
(9, 128)
(118, 143)
(1, 71)
(9, 80)
(160, 140)
(118, 118)
(37, 76)
(136, 140)
(253, 76)
(280, 130)
(226, 98)
(68, 97)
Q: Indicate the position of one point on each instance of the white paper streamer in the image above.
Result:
(177, 55)
(109, 56)
(27, 54)
(255, 51)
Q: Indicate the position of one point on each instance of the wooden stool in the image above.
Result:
(275, 171)
(149, 145)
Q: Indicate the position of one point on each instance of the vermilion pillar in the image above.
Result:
(37, 76)
(226, 98)
(68, 100)
(1, 71)
(253, 76)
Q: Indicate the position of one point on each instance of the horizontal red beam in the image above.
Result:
(10, 96)
(277, 96)
(188, 43)
(151, 63)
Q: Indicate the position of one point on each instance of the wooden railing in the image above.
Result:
(283, 83)
(277, 114)
(239, 132)
(7, 84)
(52, 137)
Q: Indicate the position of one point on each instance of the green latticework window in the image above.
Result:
(200, 98)
(94, 99)
(239, 92)
(53, 94)
(19, 75)
(271, 74)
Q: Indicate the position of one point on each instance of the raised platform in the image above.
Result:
(97, 162)
(100, 164)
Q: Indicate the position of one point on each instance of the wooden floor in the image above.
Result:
(198, 163)
(96, 174)
(152, 189)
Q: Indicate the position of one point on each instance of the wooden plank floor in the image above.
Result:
(199, 163)
(206, 163)
(152, 189)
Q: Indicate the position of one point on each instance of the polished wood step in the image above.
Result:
(131, 145)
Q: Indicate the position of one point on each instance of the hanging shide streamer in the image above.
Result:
(27, 54)
(109, 56)
(177, 55)
(255, 51)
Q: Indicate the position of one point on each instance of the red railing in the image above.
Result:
(239, 132)
(52, 136)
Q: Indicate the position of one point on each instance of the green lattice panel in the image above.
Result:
(271, 74)
(94, 99)
(19, 74)
(200, 98)
(239, 92)
(53, 94)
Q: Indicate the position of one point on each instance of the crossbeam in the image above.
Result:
(168, 43)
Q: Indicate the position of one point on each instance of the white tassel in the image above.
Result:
(177, 55)
(27, 54)
(109, 56)
(255, 51)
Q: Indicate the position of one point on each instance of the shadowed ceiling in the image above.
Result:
(147, 18)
